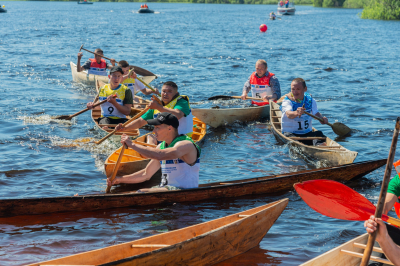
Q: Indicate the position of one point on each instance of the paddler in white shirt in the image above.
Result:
(172, 102)
(177, 156)
(295, 123)
(262, 84)
(130, 80)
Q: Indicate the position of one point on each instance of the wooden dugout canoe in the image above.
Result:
(89, 79)
(218, 190)
(132, 161)
(349, 254)
(226, 116)
(332, 154)
(202, 244)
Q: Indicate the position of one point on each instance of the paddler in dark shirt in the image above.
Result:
(262, 84)
(177, 156)
(96, 65)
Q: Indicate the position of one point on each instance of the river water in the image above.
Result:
(351, 67)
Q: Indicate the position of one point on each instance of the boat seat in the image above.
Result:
(360, 255)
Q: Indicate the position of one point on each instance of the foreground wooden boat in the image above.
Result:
(332, 154)
(202, 244)
(349, 254)
(227, 116)
(132, 161)
(89, 79)
(217, 190)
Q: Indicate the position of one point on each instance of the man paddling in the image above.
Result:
(295, 123)
(177, 156)
(262, 84)
(96, 65)
(115, 110)
(172, 102)
(129, 80)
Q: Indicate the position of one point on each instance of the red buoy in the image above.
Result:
(263, 28)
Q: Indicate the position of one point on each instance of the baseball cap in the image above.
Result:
(116, 69)
(164, 118)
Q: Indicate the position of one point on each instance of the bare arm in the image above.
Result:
(322, 117)
(138, 177)
(78, 63)
(138, 123)
(246, 89)
(389, 202)
(297, 113)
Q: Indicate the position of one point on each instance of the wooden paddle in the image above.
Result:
(382, 195)
(114, 174)
(226, 97)
(335, 200)
(337, 127)
(69, 117)
(144, 83)
(127, 122)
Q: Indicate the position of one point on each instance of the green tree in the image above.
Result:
(382, 9)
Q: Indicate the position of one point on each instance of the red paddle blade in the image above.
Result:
(397, 208)
(335, 200)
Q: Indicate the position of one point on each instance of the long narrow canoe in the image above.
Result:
(96, 113)
(332, 154)
(202, 244)
(210, 191)
(132, 161)
(349, 254)
(227, 116)
(89, 79)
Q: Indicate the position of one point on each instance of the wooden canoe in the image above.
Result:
(132, 161)
(96, 113)
(89, 79)
(349, 254)
(218, 190)
(202, 244)
(332, 154)
(227, 116)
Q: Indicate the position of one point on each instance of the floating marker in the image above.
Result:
(263, 28)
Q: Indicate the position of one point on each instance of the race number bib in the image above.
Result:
(108, 109)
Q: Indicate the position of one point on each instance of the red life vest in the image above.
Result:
(260, 87)
(96, 68)
(281, 3)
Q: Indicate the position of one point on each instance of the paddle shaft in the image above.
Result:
(318, 118)
(148, 86)
(114, 174)
(87, 109)
(382, 195)
(97, 54)
(125, 124)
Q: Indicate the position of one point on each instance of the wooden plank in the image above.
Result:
(376, 249)
(243, 216)
(150, 246)
(360, 255)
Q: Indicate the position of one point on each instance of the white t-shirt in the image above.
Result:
(298, 125)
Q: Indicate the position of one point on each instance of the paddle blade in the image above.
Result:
(63, 117)
(340, 129)
(220, 97)
(335, 200)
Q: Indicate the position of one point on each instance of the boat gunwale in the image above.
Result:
(211, 186)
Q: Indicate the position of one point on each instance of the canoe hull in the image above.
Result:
(286, 11)
(218, 190)
(203, 244)
(145, 10)
(338, 155)
(222, 117)
(84, 77)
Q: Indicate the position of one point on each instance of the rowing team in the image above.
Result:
(176, 154)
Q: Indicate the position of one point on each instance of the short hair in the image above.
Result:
(123, 63)
(98, 51)
(300, 80)
(261, 61)
(171, 84)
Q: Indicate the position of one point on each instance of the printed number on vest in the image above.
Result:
(111, 109)
(258, 95)
(164, 180)
(306, 125)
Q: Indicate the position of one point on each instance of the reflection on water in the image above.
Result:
(352, 80)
